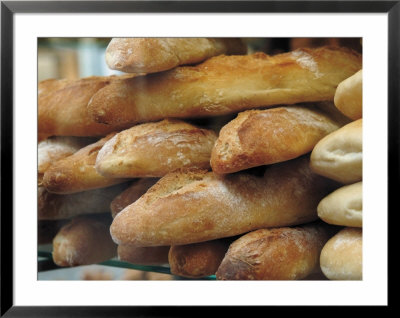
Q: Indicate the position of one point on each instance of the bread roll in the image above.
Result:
(338, 156)
(343, 206)
(198, 259)
(262, 137)
(77, 172)
(83, 241)
(62, 107)
(187, 207)
(149, 55)
(225, 85)
(275, 254)
(52, 206)
(152, 255)
(341, 257)
(154, 149)
(131, 194)
(348, 96)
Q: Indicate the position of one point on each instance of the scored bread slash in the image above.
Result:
(187, 207)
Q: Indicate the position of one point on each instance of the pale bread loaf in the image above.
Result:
(341, 257)
(187, 207)
(343, 206)
(150, 55)
(348, 96)
(154, 149)
(262, 137)
(225, 85)
(338, 156)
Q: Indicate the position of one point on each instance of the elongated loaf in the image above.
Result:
(262, 137)
(343, 206)
(348, 96)
(83, 241)
(154, 149)
(226, 84)
(149, 55)
(62, 107)
(341, 256)
(187, 207)
(151, 255)
(275, 254)
(131, 194)
(52, 206)
(77, 172)
(198, 259)
(338, 156)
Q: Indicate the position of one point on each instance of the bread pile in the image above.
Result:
(205, 158)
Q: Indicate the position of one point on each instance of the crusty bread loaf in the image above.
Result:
(151, 255)
(77, 172)
(343, 206)
(187, 207)
(348, 96)
(226, 84)
(262, 137)
(54, 148)
(131, 194)
(83, 241)
(198, 259)
(339, 155)
(154, 149)
(62, 107)
(52, 206)
(149, 55)
(275, 254)
(341, 257)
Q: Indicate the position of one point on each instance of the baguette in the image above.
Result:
(83, 241)
(77, 172)
(263, 137)
(152, 255)
(131, 194)
(224, 85)
(150, 55)
(197, 260)
(341, 257)
(52, 206)
(275, 254)
(187, 207)
(154, 149)
(338, 156)
(348, 96)
(62, 107)
(343, 206)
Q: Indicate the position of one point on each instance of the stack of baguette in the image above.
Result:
(202, 157)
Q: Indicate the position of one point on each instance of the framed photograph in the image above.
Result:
(237, 60)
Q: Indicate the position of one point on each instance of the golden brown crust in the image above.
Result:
(341, 257)
(189, 207)
(152, 255)
(149, 55)
(154, 149)
(348, 96)
(343, 206)
(52, 206)
(77, 172)
(62, 107)
(226, 84)
(338, 156)
(131, 194)
(84, 241)
(263, 137)
(198, 259)
(275, 254)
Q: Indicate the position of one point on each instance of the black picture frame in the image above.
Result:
(9, 8)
